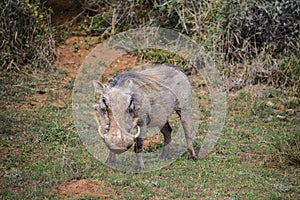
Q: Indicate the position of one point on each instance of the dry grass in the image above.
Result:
(251, 41)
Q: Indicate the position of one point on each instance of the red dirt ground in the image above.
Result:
(85, 187)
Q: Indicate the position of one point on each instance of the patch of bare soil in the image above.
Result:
(153, 142)
(70, 56)
(73, 52)
(123, 63)
(9, 150)
(85, 187)
(6, 155)
(6, 152)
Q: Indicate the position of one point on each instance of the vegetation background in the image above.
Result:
(255, 45)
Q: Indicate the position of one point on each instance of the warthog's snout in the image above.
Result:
(120, 141)
(119, 150)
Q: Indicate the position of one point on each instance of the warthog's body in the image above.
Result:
(137, 100)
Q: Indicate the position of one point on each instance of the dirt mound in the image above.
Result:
(85, 187)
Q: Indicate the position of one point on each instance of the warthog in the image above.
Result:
(136, 100)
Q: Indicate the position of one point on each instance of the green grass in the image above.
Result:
(41, 149)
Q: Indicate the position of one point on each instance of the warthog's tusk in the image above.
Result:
(99, 128)
(100, 133)
(138, 132)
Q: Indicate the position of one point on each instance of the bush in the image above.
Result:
(265, 24)
(264, 36)
(26, 40)
(251, 41)
(107, 18)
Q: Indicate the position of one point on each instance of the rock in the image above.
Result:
(270, 104)
(281, 117)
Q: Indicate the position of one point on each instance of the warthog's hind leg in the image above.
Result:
(138, 149)
(186, 120)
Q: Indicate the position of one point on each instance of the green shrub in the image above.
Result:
(107, 18)
(26, 40)
(263, 36)
(264, 24)
(251, 41)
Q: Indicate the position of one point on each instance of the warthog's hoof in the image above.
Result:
(192, 157)
(192, 154)
(139, 169)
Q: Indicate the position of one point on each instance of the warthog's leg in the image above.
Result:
(166, 131)
(139, 143)
(138, 149)
(111, 157)
(186, 120)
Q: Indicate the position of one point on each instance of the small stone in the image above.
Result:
(270, 104)
(280, 116)
(290, 111)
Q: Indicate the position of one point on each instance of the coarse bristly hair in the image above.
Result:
(149, 79)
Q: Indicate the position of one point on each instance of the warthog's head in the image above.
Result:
(117, 122)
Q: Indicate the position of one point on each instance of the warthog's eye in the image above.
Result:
(104, 101)
(103, 105)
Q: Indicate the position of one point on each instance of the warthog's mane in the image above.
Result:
(147, 80)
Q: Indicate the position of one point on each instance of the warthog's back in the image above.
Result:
(160, 77)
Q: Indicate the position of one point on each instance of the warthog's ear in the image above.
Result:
(99, 87)
(130, 84)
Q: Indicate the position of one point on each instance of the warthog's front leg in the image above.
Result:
(138, 149)
(111, 157)
(139, 143)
